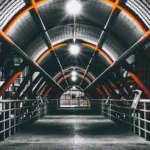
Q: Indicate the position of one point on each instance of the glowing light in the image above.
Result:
(73, 87)
(73, 7)
(74, 78)
(74, 73)
(74, 49)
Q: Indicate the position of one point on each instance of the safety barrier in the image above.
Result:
(74, 103)
(14, 114)
(120, 111)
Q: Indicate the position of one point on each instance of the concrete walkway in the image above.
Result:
(75, 133)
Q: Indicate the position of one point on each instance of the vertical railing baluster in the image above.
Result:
(15, 117)
(134, 128)
(19, 115)
(139, 123)
(9, 117)
(4, 119)
(145, 123)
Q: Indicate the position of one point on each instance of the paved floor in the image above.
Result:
(75, 133)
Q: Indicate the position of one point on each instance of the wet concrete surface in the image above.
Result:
(75, 132)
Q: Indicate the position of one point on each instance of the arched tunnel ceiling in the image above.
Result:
(19, 21)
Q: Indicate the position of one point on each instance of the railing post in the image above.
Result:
(15, 117)
(110, 110)
(130, 121)
(4, 117)
(134, 130)
(18, 117)
(145, 123)
(102, 109)
(9, 117)
(139, 123)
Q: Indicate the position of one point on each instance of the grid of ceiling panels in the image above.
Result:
(112, 47)
(55, 11)
(83, 32)
(141, 8)
(126, 29)
(8, 9)
(37, 47)
(25, 30)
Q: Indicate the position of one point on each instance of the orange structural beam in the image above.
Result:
(68, 70)
(69, 76)
(35, 4)
(146, 36)
(6, 85)
(19, 15)
(44, 54)
(75, 86)
(46, 94)
(140, 83)
(102, 52)
(106, 90)
(116, 4)
(59, 74)
(3, 35)
(100, 92)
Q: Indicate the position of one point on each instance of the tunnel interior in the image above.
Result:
(68, 57)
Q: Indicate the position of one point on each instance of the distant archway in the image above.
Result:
(74, 98)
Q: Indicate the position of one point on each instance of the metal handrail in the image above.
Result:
(122, 100)
(12, 101)
(31, 109)
(138, 118)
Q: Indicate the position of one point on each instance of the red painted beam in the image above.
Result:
(12, 78)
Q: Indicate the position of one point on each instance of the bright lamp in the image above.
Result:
(73, 7)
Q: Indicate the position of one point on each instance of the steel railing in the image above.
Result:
(137, 119)
(14, 114)
(74, 102)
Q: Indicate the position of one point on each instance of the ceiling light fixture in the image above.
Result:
(74, 87)
(74, 49)
(74, 73)
(73, 7)
(74, 78)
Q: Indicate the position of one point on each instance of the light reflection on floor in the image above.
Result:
(75, 132)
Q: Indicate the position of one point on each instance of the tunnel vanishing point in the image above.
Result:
(74, 74)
